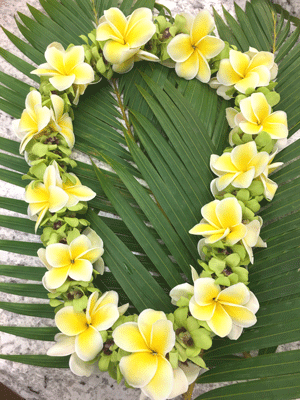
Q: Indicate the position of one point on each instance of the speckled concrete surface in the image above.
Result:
(35, 383)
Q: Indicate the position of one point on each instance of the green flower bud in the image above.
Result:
(183, 302)
(233, 279)
(104, 363)
(173, 358)
(253, 205)
(180, 315)
(101, 67)
(243, 195)
(232, 260)
(263, 90)
(239, 98)
(192, 324)
(202, 339)
(256, 188)
(263, 139)
(272, 85)
(249, 91)
(273, 98)
(223, 280)
(246, 138)
(242, 274)
(217, 265)
(181, 352)
(248, 214)
(198, 361)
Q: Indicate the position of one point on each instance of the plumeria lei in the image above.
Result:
(158, 353)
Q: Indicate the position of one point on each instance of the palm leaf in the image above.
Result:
(173, 127)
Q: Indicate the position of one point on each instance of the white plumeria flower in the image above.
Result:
(125, 36)
(75, 260)
(221, 89)
(253, 306)
(252, 238)
(83, 329)
(64, 346)
(221, 308)
(76, 191)
(269, 185)
(61, 122)
(184, 376)
(240, 166)
(65, 67)
(256, 116)
(45, 196)
(33, 121)
(221, 220)
(79, 91)
(191, 51)
(150, 339)
(243, 71)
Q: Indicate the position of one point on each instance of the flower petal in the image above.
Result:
(57, 255)
(253, 230)
(183, 290)
(240, 315)
(116, 19)
(224, 163)
(83, 193)
(223, 181)
(260, 107)
(208, 212)
(180, 48)
(203, 24)
(264, 75)
(244, 180)
(251, 80)
(57, 198)
(188, 69)
(260, 162)
(105, 31)
(70, 322)
(253, 304)
(32, 99)
(160, 387)
(117, 53)
(140, 32)
(73, 57)
(202, 313)
(205, 291)
(62, 82)
(88, 344)
(81, 368)
(128, 337)
(84, 74)
(237, 233)
(180, 383)
(79, 245)
(220, 323)
(242, 155)
(262, 58)
(239, 62)
(139, 368)
(204, 72)
(235, 332)
(229, 212)
(64, 346)
(210, 46)
(56, 277)
(110, 297)
(104, 317)
(145, 321)
(124, 67)
(162, 337)
(236, 294)
(226, 74)
(55, 57)
(81, 270)
(250, 128)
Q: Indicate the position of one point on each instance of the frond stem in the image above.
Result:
(274, 31)
(188, 394)
(122, 108)
(95, 11)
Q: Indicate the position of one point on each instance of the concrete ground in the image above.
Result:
(35, 383)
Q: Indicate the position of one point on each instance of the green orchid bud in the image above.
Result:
(202, 339)
(248, 214)
(256, 188)
(217, 265)
(232, 260)
(180, 315)
(253, 205)
(243, 195)
(242, 274)
(246, 138)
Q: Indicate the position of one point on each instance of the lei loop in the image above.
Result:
(158, 353)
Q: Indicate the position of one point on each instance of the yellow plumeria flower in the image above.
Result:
(125, 36)
(269, 185)
(74, 189)
(243, 71)
(79, 91)
(65, 67)
(221, 308)
(64, 346)
(61, 122)
(100, 315)
(222, 219)
(252, 238)
(150, 339)
(44, 196)
(191, 51)
(239, 167)
(34, 119)
(75, 260)
(256, 116)
(127, 65)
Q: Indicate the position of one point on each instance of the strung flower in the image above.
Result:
(239, 167)
(221, 220)
(247, 70)
(34, 119)
(83, 329)
(64, 346)
(74, 260)
(61, 122)
(221, 309)
(269, 185)
(79, 91)
(252, 238)
(125, 37)
(150, 339)
(191, 51)
(255, 116)
(65, 67)
(45, 196)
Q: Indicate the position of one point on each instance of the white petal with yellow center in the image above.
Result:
(84, 74)
(116, 19)
(205, 291)
(57, 198)
(88, 344)
(140, 33)
(235, 294)
(180, 383)
(64, 346)
(264, 58)
(251, 80)
(237, 233)
(160, 387)
(162, 337)
(226, 74)
(62, 82)
(240, 315)
(203, 25)
(208, 212)
(139, 368)
(110, 297)
(188, 69)
(145, 321)
(81, 368)
(183, 290)
(239, 62)
(81, 270)
(204, 72)
(105, 317)
(128, 337)
(180, 47)
(70, 322)
(210, 46)
(220, 323)
(229, 212)
(117, 53)
(56, 277)
(247, 110)
(73, 57)
(54, 55)
(202, 313)
(260, 106)
(57, 255)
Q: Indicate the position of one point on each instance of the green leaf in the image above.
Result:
(38, 360)
(36, 333)
(24, 289)
(33, 310)
(18, 271)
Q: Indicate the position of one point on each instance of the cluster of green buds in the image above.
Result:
(94, 56)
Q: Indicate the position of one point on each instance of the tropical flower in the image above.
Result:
(74, 260)
(221, 308)
(65, 67)
(84, 328)
(79, 91)
(246, 70)
(125, 36)
(64, 346)
(73, 187)
(256, 116)
(191, 51)
(222, 219)
(34, 119)
(150, 339)
(269, 185)
(239, 167)
(61, 122)
(252, 238)
(44, 196)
